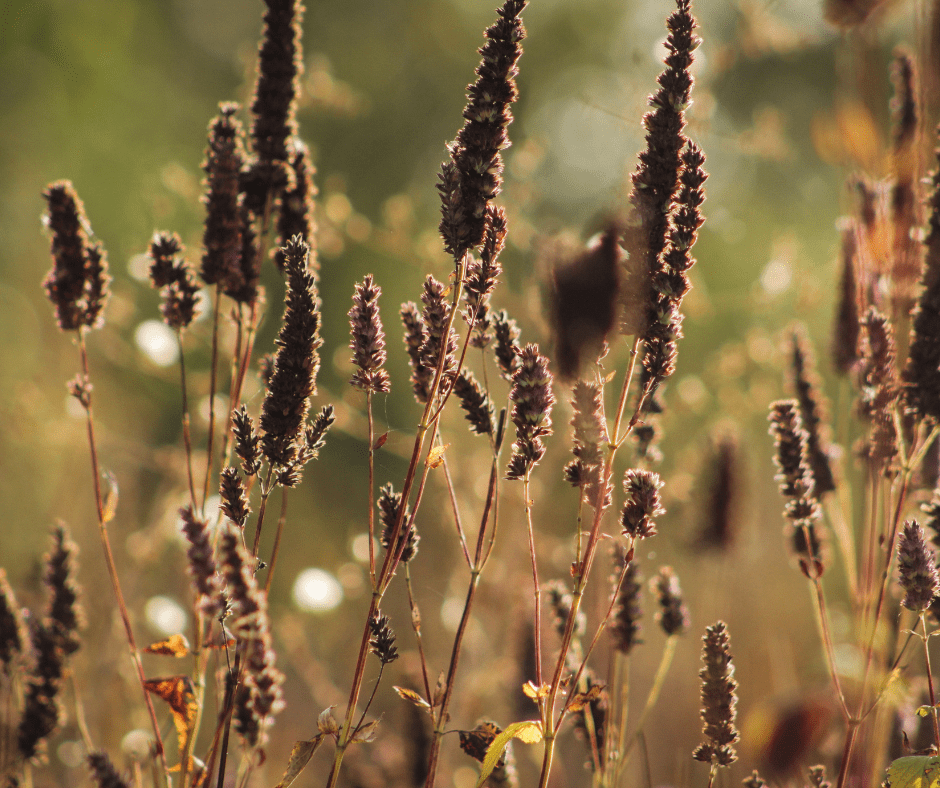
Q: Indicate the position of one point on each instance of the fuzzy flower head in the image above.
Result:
(368, 339)
(917, 568)
(78, 284)
(532, 400)
(642, 505)
(719, 699)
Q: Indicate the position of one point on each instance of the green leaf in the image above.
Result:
(915, 771)
(299, 756)
(529, 732)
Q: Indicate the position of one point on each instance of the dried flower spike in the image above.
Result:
(202, 565)
(78, 283)
(508, 348)
(475, 403)
(436, 314)
(14, 636)
(103, 772)
(296, 216)
(234, 497)
(247, 441)
(922, 374)
(532, 400)
(673, 615)
(473, 176)
(718, 699)
(625, 619)
(584, 298)
(382, 639)
(719, 528)
(280, 65)
(368, 339)
(389, 503)
(590, 435)
(880, 390)
(176, 279)
(845, 334)
(482, 275)
(796, 481)
(812, 410)
(416, 334)
(642, 504)
(222, 234)
(64, 614)
(917, 568)
(295, 366)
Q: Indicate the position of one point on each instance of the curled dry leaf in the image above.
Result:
(582, 699)
(179, 694)
(436, 456)
(535, 692)
(300, 755)
(367, 732)
(173, 646)
(326, 723)
(413, 696)
(380, 441)
(111, 496)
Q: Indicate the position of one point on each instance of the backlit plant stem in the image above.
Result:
(112, 568)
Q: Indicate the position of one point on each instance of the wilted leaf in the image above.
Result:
(380, 442)
(582, 699)
(413, 696)
(367, 732)
(476, 742)
(915, 771)
(326, 723)
(436, 456)
(528, 732)
(299, 757)
(109, 506)
(173, 646)
(530, 690)
(178, 692)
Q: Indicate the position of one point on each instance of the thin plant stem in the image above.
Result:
(187, 438)
(659, 681)
(583, 569)
(822, 617)
(265, 493)
(213, 373)
(416, 627)
(476, 569)
(392, 556)
(112, 569)
(452, 496)
(282, 518)
(371, 490)
(933, 699)
(536, 592)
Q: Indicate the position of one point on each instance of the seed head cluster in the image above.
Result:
(532, 401)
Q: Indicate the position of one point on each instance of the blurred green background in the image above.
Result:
(115, 95)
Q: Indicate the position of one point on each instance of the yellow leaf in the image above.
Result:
(173, 646)
(915, 771)
(436, 456)
(413, 696)
(299, 756)
(179, 694)
(528, 732)
(109, 506)
(531, 691)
